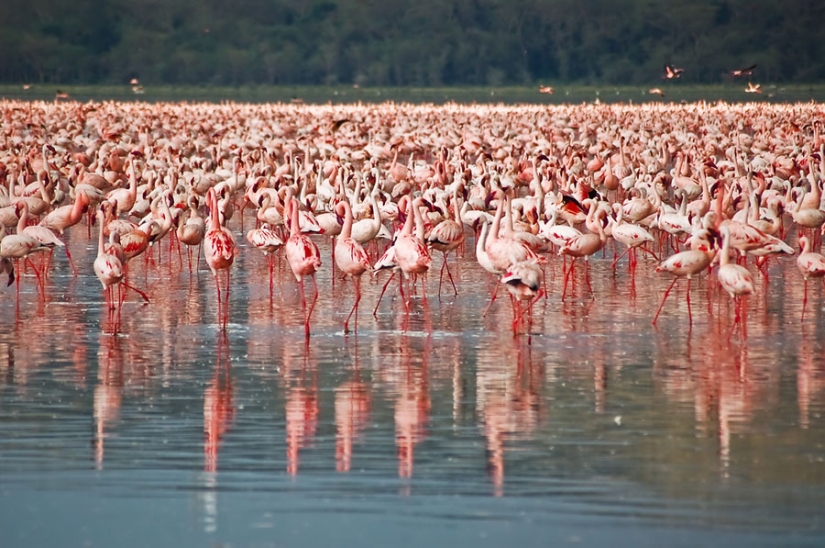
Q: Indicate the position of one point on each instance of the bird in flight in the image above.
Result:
(546, 89)
(753, 88)
(672, 72)
(656, 91)
(743, 72)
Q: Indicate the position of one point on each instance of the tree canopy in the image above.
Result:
(420, 43)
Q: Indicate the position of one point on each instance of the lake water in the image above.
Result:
(590, 427)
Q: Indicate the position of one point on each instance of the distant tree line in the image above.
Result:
(413, 43)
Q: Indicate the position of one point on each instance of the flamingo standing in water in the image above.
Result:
(67, 216)
(523, 281)
(191, 231)
(686, 264)
(585, 245)
(445, 237)
(735, 279)
(219, 252)
(410, 252)
(304, 259)
(19, 246)
(107, 266)
(810, 265)
(350, 258)
(268, 241)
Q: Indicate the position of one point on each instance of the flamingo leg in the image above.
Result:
(381, 296)
(136, 290)
(804, 299)
(664, 298)
(617, 258)
(357, 282)
(687, 298)
(587, 278)
(492, 300)
(311, 307)
(218, 287)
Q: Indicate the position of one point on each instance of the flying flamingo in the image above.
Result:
(810, 265)
(304, 259)
(219, 252)
(734, 279)
(686, 264)
(350, 258)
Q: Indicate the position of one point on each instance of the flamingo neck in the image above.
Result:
(346, 230)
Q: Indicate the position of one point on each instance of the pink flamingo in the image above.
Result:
(810, 265)
(350, 258)
(734, 279)
(67, 216)
(107, 266)
(445, 237)
(686, 264)
(219, 252)
(268, 241)
(191, 231)
(304, 259)
(523, 281)
(585, 245)
(410, 252)
(19, 246)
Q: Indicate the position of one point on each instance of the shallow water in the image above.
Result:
(590, 427)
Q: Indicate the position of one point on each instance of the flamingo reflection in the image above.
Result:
(412, 408)
(218, 406)
(302, 412)
(509, 405)
(108, 392)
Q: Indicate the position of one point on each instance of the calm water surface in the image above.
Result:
(593, 427)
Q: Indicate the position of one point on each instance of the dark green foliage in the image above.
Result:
(419, 43)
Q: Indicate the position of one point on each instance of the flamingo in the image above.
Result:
(734, 278)
(810, 265)
(523, 281)
(585, 245)
(192, 231)
(350, 258)
(107, 266)
(686, 264)
(631, 236)
(19, 246)
(268, 241)
(445, 237)
(304, 259)
(219, 252)
(410, 252)
(67, 216)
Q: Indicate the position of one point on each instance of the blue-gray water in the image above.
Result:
(593, 427)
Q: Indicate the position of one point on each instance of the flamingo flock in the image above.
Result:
(699, 188)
